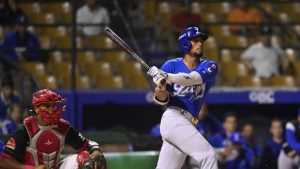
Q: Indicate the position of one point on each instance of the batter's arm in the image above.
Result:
(185, 79)
(161, 97)
(202, 75)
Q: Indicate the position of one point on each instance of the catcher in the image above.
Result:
(38, 143)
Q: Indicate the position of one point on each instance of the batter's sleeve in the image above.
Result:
(208, 71)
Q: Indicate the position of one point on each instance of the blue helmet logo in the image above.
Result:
(183, 41)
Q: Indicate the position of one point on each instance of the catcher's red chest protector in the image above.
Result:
(46, 143)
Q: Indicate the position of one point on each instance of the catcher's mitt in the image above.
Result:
(87, 161)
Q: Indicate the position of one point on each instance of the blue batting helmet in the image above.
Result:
(184, 43)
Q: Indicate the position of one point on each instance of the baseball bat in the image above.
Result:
(115, 38)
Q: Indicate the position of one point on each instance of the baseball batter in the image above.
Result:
(189, 79)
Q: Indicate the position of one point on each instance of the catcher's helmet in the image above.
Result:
(52, 105)
(183, 41)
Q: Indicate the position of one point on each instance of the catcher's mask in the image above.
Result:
(51, 105)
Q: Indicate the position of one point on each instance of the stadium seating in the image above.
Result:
(196, 8)
(65, 42)
(267, 6)
(114, 57)
(249, 81)
(296, 65)
(210, 17)
(36, 69)
(110, 82)
(219, 30)
(222, 46)
(56, 57)
(230, 71)
(164, 10)
(102, 42)
(291, 54)
(61, 70)
(129, 68)
(45, 42)
(138, 82)
(281, 81)
(48, 81)
(82, 82)
(94, 69)
(84, 57)
(149, 7)
(219, 9)
(283, 17)
(210, 43)
(296, 28)
(211, 54)
(31, 8)
(62, 11)
(54, 32)
(296, 17)
(103, 68)
(1, 32)
(234, 41)
(226, 55)
(43, 18)
(288, 8)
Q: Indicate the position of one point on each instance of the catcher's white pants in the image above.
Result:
(286, 162)
(181, 138)
(69, 162)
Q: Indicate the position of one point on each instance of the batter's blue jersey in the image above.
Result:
(190, 98)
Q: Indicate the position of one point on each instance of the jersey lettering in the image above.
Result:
(191, 92)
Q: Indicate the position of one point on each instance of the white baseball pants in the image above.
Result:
(181, 138)
(286, 162)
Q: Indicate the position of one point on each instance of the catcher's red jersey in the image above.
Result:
(46, 143)
(34, 145)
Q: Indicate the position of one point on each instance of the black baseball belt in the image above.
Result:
(186, 114)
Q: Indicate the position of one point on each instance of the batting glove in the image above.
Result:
(154, 71)
(160, 82)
